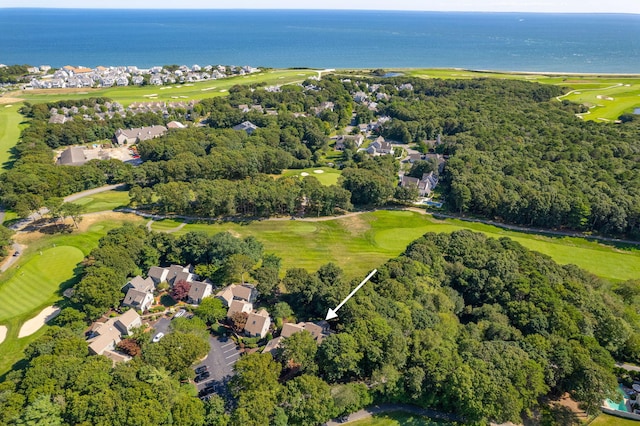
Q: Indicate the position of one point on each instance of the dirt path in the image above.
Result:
(36, 323)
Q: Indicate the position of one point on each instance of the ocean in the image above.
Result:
(585, 43)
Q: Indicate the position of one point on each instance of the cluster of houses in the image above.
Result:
(79, 77)
(111, 109)
(379, 146)
(104, 336)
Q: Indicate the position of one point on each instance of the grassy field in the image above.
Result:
(197, 90)
(10, 128)
(398, 419)
(108, 200)
(607, 420)
(359, 243)
(328, 177)
(38, 279)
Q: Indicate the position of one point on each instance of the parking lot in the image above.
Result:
(223, 354)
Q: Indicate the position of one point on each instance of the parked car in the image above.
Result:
(16, 253)
(201, 369)
(157, 337)
(201, 377)
(180, 313)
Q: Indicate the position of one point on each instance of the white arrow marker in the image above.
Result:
(331, 314)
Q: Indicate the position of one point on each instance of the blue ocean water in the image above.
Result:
(329, 39)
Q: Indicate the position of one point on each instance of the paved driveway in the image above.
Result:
(162, 326)
(223, 354)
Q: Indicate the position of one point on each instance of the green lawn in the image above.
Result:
(397, 419)
(10, 128)
(176, 92)
(103, 201)
(360, 243)
(328, 177)
(607, 420)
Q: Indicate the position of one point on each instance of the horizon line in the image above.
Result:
(316, 9)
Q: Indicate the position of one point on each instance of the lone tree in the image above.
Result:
(238, 320)
(180, 290)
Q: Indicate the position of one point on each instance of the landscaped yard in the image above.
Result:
(328, 176)
(607, 420)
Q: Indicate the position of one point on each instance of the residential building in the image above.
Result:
(343, 139)
(137, 299)
(425, 185)
(247, 126)
(108, 334)
(140, 284)
(239, 306)
(198, 291)
(158, 274)
(246, 292)
(131, 136)
(258, 324)
(72, 156)
(380, 147)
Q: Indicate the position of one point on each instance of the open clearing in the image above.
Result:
(360, 243)
(326, 175)
(397, 419)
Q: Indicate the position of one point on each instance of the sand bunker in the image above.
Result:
(304, 174)
(318, 171)
(34, 324)
(3, 333)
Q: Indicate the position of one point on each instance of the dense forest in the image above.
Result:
(461, 323)
(519, 155)
(514, 153)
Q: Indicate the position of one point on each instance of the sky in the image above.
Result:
(547, 6)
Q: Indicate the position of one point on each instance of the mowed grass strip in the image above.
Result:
(328, 177)
(398, 419)
(362, 242)
(607, 420)
(104, 201)
(10, 128)
(37, 281)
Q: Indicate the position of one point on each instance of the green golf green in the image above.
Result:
(35, 283)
